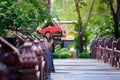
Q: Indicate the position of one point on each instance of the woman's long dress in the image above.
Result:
(49, 60)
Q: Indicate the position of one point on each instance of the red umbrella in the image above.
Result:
(51, 29)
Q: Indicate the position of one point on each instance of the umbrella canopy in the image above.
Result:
(51, 29)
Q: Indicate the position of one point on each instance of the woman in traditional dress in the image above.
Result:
(49, 58)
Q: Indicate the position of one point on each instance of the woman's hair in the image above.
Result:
(50, 38)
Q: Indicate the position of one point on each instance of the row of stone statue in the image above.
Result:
(25, 61)
(107, 50)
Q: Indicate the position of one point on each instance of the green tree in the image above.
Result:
(101, 23)
(82, 28)
(114, 6)
(64, 10)
(4, 20)
(22, 13)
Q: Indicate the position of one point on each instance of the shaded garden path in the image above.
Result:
(83, 69)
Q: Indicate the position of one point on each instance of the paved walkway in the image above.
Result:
(83, 69)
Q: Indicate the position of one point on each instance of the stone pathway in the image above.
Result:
(83, 69)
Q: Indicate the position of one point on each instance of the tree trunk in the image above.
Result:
(89, 16)
(81, 44)
(79, 26)
(80, 29)
(116, 25)
(79, 15)
(116, 20)
(48, 5)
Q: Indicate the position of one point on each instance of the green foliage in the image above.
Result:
(65, 54)
(71, 45)
(56, 55)
(57, 48)
(84, 55)
(61, 52)
(3, 32)
(4, 13)
(77, 41)
(83, 3)
(64, 9)
(101, 22)
(107, 1)
(27, 13)
(113, 7)
(34, 33)
(23, 13)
